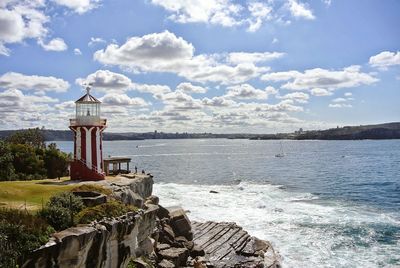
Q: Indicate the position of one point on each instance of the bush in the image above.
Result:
(20, 233)
(110, 209)
(60, 210)
(92, 188)
(6, 162)
(58, 217)
(55, 162)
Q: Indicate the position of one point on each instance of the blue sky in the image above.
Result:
(202, 65)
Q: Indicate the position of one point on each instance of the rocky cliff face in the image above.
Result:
(164, 236)
(107, 243)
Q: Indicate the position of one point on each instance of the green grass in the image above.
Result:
(14, 194)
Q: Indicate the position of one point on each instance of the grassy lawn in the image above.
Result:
(16, 193)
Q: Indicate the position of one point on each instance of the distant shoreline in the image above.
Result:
(367, 132)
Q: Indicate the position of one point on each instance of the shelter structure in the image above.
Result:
(116, 162)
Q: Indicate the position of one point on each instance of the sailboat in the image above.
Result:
(281, 154)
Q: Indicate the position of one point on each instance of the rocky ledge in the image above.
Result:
(210, 244)
(153, 237)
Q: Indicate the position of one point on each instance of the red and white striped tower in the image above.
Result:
(88, 130)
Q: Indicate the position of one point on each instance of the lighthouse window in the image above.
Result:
(87, 109)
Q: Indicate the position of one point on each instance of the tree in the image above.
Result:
(27, 160)
(55, 162)
(33, 137)
(7, 170)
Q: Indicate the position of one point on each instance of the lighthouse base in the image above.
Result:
(79, 171)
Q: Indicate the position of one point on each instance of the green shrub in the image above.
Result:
(55, 162)
(60, 210)
(20, 233)
(58, 217)
(92, 188)
(110, 209)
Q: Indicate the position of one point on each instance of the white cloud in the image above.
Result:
(271, 90)
(20, 20)
(55, 44)
(178, 100)
(339, 100)
(77, 51)
(67, 105)
(320, 92)
(230, 13)
(322, 79)
(165, 52)
(218, 102)
(260, 12)
(105, 80)
(385, 59)
(275, 40)
(33, 82)
(246, 91)
(300, 10)
(300, 97)
(190, 88)
(112, 99)
(79, 6)
(221, 12)
(348, 94)
(243, 57)
(95, 40)
(157, 90)
(340, 105)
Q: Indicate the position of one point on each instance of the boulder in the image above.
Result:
(153, 199)
(162, 246)
(178, 256)
(165, 264)
(91, 199)
(197, 251)
(180, 222)
(163, 213)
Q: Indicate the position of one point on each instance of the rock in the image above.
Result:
(162, 246)
(165, 264)
(163, 213)
(226, 244)
(181, 239)
(178, 256)
(153, 199)
(180, 222)
(91, 199)
(189, 245)
(214, 192)
(107, 243)
(197, 251)
(140, 263)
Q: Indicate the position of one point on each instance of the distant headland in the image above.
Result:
(374, 132)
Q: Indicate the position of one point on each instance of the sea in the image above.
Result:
(324, 204)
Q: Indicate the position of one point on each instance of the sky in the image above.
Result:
(220, 66)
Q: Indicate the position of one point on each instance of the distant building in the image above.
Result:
(88, 130)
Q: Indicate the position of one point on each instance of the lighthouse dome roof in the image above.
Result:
(87, 98)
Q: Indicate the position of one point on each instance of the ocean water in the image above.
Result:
(325, 204)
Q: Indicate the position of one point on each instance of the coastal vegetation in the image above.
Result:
(112, 208)
(20, 233)
(25, 156)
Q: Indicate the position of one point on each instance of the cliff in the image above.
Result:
(153, 237)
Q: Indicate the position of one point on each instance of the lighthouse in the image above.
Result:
(88, 128)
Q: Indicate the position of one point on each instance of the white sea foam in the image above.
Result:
(306, 234)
